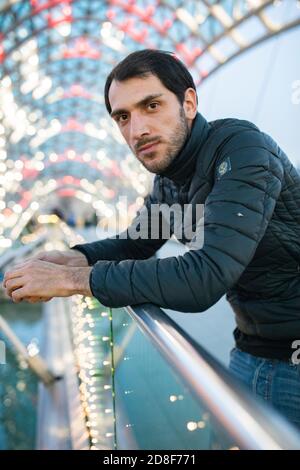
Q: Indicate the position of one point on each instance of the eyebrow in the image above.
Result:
(139, 104)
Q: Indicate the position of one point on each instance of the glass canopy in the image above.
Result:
(56, 138)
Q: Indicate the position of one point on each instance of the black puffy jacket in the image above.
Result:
(251, 249)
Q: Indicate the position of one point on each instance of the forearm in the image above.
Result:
(179, 283)
(113, 249)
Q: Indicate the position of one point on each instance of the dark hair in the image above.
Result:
(171, 72)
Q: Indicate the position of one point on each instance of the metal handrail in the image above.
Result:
(248, 422)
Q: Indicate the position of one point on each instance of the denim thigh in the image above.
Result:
(275, 381)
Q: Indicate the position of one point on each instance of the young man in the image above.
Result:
(251, 249)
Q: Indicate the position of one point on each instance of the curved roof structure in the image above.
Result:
(55, 134)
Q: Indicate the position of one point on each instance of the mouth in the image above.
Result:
(148, 148)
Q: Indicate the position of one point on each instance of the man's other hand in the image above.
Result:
(67, 258)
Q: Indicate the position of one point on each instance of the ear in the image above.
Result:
(190, 103)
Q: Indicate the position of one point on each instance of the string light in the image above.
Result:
(90, 323)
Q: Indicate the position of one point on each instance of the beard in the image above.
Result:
(176, 142)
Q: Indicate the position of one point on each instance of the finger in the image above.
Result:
(16, 271)
(13, 284)
(30, 260)
(34, 299)
(39, 255)
(28, 298)
(18, 295)
(12, 275)
(9, 282)
(21, 265)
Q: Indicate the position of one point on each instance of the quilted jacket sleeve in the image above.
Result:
(141, 246)
(236, 215)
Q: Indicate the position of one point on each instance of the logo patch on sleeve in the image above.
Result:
(223, 168)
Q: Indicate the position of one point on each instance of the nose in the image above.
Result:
(138, 127)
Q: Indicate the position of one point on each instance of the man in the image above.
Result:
(251, 247)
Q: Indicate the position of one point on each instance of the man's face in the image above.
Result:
(151, 119)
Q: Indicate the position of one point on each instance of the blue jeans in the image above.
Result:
(277, 382)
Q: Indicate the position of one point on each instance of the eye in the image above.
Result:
(121, 118)
(153, 105)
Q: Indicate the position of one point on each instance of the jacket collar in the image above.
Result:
(183, 166)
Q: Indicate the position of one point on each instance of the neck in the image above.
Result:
(182, 167)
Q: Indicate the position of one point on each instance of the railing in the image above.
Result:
(246, 423)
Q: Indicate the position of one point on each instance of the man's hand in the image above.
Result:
(67, 258)
(37, 280)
